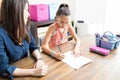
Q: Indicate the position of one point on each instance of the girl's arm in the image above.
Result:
(76, 50)
(75, 36)
(45, 44)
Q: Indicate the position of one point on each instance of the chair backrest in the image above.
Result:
(41, 39)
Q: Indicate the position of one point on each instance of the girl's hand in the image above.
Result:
(59, 56)
(40, 71)
(77, 52)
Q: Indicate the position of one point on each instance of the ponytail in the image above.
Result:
(63, 10)
(64, 5)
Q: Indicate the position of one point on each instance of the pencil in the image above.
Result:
(59, 49)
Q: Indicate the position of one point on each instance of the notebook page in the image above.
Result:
(75, 62)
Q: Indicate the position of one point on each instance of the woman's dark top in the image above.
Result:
(11, 52)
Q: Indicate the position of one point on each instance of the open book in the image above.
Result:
(75, 62)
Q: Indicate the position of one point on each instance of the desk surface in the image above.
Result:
(101, 68)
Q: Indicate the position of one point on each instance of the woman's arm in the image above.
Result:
(30, 72)
(37, 55)
(23, 72)
(34, 50)
(39, 61)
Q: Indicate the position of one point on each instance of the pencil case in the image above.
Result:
(99, 50)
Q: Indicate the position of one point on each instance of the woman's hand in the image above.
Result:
(59, 56)
(40, 71)
(39, 63)
(40, 68)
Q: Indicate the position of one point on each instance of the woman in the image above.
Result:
(16, 40)
(57, 34)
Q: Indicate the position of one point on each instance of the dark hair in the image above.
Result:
(63, 10)
(12, 19)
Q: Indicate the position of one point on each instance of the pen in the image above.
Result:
(59, 49)
(97, 35)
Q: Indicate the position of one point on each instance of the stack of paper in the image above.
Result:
(75, 62)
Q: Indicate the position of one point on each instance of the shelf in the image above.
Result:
(42, 23)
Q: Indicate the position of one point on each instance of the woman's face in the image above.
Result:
(62, 21)
(26, 13)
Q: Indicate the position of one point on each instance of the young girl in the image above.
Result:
(57, 33)
(16, 40)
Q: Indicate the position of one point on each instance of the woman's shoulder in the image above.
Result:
(2, 31)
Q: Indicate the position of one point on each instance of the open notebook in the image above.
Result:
(75, 62)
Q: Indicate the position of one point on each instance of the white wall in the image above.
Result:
(112, 18)
(93, 14)
(91, 11)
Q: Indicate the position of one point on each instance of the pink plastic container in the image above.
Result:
(99, 50)
(39, 12)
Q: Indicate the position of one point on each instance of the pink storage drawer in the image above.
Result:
(39, 12)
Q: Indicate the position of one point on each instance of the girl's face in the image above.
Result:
(26, 13)
(62, 21)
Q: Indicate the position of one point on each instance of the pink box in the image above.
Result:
(99, 50)
(39, 12)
